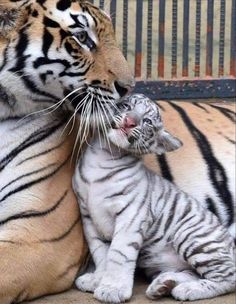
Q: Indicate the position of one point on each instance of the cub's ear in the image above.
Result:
(8, 19)
(165, 142)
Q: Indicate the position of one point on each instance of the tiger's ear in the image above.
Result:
(165, 142)
(8, 19)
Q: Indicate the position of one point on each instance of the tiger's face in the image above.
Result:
(61, 51)
(137, 127)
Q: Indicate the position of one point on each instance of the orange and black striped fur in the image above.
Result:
(54, 54)
(205, 166)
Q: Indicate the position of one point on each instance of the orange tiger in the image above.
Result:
(54, 54)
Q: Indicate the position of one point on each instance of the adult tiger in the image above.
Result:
(205, 166)
(48, 49)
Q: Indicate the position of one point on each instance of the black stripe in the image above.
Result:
(216, 171)
(34, 182)
(68, 270)
(17, 117)
(230, 140)
(115, 262)
(110, 175)
(64, 235)
(124, 191)
(47, 42)
(40, 154)
(202, 235)
(4, 58)
(165, 169)
(178, 247)
(172, 213)
(46, 61)
(20, 64)
(187, 210)
(34, 214)
(132, 200)
(211, 262)
(34, 138)
(26, 175)
(211, 206)
(135, 245)
(80, 169)
(50, 23)
(200, 249)
(34, 89)
(119, 252)
(196, 104)
(63, 5)
(142, 205)
(41, 3)
(226, 112)
(22, 121)
(130, 164)
(10, 242)
(78, 74)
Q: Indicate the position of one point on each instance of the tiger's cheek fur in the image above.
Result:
(41, 55)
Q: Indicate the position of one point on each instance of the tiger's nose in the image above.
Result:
(130, 122)
(124, 89)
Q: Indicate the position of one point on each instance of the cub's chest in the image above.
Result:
(101, 210)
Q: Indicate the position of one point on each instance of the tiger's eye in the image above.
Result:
(82, 37)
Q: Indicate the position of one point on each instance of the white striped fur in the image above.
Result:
(132, 217)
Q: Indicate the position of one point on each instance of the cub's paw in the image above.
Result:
(158, 289)
(113, 293)
(189, 291)
(88, 282)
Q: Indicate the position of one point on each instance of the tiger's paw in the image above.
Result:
(88, 282)
(189, 291)
(113, 292)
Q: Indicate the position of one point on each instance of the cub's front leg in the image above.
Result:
(98, 249)
(117, 282)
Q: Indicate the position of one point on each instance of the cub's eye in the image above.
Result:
(82, 37)
(147, 121)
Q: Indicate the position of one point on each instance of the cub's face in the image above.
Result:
(138, 128)
(63, 50)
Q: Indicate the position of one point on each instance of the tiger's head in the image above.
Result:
(60, 52)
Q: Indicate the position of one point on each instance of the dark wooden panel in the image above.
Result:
(161, 44)
(187, 89)
(233, 41)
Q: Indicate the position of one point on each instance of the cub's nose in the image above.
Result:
(130, 122)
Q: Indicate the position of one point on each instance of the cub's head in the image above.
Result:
(137, 127)
(60, 51)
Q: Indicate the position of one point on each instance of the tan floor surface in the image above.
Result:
(75, 297)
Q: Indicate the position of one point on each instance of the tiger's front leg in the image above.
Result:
(117, 282)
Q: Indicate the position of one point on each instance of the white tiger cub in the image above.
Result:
(133, 216)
